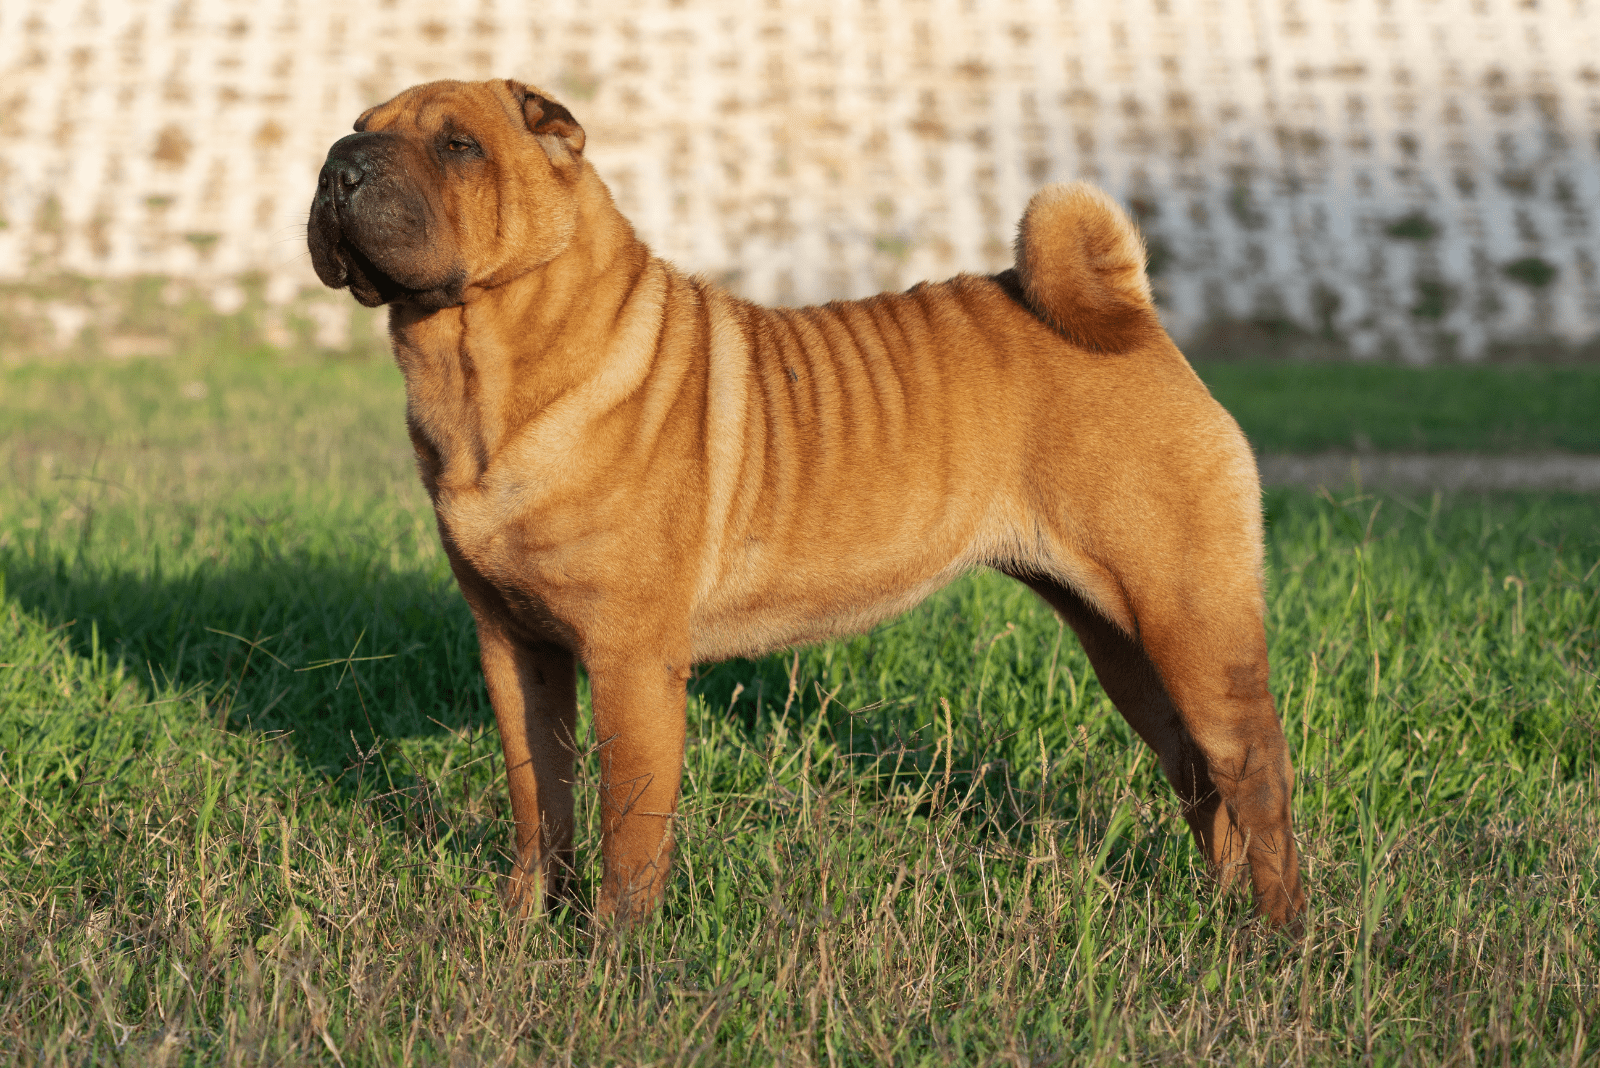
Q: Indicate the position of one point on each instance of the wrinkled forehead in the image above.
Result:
(437, 106)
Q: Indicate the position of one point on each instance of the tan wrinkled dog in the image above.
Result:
(635, 469)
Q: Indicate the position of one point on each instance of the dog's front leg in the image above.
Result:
(535, 695)
(639, 707)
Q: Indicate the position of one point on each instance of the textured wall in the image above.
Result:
(1415, 177)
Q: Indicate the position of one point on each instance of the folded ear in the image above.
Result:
(558, 132)
(361, 123)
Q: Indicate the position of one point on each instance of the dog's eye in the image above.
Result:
(461, 144)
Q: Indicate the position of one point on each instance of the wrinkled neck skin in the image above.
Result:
(479, 373)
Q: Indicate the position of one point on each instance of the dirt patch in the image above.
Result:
(1563, 472)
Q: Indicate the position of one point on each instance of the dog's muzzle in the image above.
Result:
(369, 227)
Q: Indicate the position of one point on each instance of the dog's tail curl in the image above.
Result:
(1080, 261)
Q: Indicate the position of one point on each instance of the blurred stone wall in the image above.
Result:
(1411, 178)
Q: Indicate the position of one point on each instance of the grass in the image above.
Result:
(1303, 406)
(251, 809)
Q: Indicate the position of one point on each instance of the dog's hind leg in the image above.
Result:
(1195, 689)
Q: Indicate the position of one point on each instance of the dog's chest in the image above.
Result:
(504, 570)
(559, 564)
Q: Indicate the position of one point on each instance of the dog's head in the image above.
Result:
(448, 186)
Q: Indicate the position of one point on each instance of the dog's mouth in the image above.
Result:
(381, 252)
(368, 284)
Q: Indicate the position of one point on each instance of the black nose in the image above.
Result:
(351, 161)
(346, 173)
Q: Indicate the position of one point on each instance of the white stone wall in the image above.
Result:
(1367, 168)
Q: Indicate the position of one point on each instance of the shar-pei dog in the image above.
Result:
(636, 470)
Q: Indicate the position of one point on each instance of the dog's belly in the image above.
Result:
(749, 623)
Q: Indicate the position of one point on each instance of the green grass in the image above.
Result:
(1301, 406)
(228, 836)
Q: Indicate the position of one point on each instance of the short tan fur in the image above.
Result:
(635, 470)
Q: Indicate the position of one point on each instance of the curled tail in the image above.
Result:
(1080, 261)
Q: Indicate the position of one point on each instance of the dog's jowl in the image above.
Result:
(634, 469)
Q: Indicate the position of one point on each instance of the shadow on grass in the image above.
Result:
(338, 653)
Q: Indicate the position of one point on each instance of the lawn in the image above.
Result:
(251, 807)
(1296, 406)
